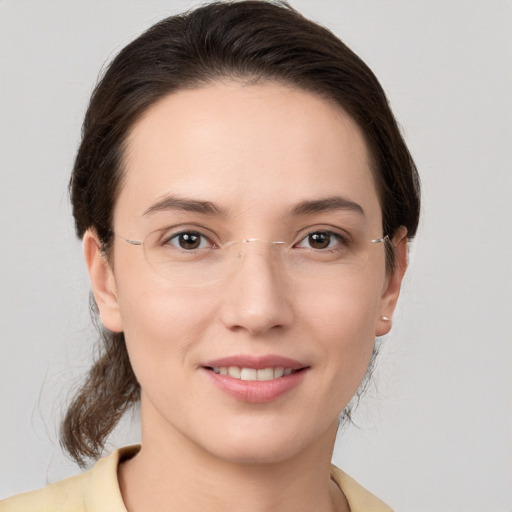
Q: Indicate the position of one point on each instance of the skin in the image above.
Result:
(256, 151)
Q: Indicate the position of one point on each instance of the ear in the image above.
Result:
(393, 283)
(103, 282)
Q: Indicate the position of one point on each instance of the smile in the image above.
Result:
(256, 379)
(261, 374)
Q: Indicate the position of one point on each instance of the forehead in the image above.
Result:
(254, 148)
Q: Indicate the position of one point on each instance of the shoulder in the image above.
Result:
(96, 490)
(63, 495)
(359, 499)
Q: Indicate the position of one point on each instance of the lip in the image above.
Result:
(253, 391)
(257, 362)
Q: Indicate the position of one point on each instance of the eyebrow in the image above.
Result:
(187, 205)
(172, 202)
(325, 205)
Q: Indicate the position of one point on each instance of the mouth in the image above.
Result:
(252, 374)
(256, 379)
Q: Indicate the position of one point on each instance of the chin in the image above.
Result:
(256, 452)
(264, 446)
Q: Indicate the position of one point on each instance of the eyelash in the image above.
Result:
(342, 241)
(176, 236)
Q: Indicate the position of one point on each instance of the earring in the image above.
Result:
(384, 318)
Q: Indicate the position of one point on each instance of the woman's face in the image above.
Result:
(225, 163)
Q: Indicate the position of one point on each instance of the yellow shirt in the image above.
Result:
(97, 490)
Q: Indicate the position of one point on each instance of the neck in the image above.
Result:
(172, 470)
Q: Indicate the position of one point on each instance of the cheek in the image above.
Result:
(161, 326)
(343, 322)
(352, 307)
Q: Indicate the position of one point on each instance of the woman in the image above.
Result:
(245, 199)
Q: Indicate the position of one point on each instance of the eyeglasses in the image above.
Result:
(191, 257)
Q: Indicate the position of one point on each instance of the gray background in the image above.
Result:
(436, 431)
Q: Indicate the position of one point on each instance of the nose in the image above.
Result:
(257, 295)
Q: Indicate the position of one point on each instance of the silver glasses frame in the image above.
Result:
(130, 241)
(209, 276)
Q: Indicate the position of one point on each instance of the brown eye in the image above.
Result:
(189, 240)
(320, 240)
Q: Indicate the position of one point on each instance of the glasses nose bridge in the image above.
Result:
(277, 245)
(268, 250)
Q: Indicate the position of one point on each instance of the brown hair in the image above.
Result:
(250, 41)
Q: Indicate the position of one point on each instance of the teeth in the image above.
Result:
(234, 371)
(248, 374)
(252, 373)
(266, 374)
